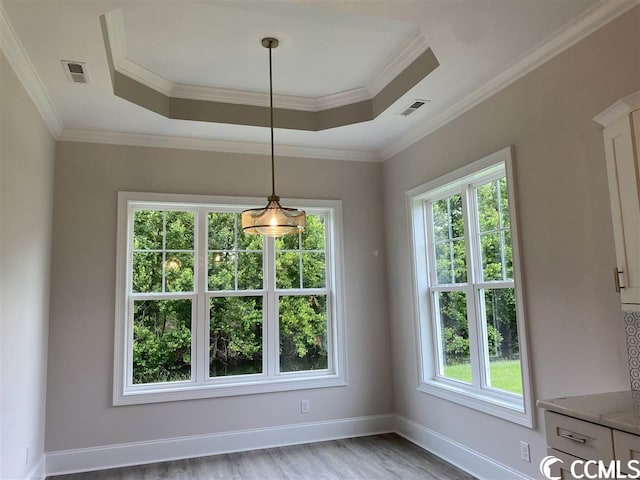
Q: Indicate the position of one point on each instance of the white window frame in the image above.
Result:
(200, 385)
(512, 407)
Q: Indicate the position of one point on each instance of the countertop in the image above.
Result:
(619, 410)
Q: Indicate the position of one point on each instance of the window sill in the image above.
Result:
(190, 391)
(513, 410)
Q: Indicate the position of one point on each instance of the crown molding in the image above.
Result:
(117, 40)
(619, 109)
(416, 47)
(208, 144)
(592, 19)
(25, 71)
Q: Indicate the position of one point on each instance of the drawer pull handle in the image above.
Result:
(568, 436)
(616, 279)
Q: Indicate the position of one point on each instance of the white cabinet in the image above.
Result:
(572, 439)
(621, 124)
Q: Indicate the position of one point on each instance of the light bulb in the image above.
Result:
(273, 222)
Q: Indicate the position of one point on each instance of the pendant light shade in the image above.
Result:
(274, 220)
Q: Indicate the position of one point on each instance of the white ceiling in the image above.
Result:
(328, 45)
(322, 51)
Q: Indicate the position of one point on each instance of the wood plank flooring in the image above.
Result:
(378, 457)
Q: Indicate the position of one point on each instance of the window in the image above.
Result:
(203, 310)
(468, 296)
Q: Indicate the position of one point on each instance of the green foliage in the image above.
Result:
(505, 374)
(457, 347)
(162, 328)
(235, 336)
(497, 265)
(303, 331)
(302, 319)
(161, 340)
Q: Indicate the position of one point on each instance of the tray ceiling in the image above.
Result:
(481, 45)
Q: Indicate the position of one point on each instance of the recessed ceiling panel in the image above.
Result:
(322, 51)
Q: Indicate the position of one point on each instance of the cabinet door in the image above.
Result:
(627, 448)
(562, 469)
(622, 170)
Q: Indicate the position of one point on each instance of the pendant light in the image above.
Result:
(274, 220)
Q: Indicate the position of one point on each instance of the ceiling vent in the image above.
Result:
(76, 71)
(415, 105)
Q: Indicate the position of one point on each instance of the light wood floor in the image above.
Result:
(374, 458)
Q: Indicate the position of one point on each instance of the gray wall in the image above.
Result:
(575, 324)
(87, 179)
(26, 192)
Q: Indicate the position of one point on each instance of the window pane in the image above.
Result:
(147, 230)
(221, 231)
(248, 242)
(440, 218)
(180, 230)
(508, 254)
(235, 336)
(222, 268)
(147, 272)
(288, 270)
(487, 199)
(451, 311)
(313, 236)
(178, 268)
(457, 220)
(303, 333)
(249, 271)
(161, 341)
(491, 256)
(313, 270)
(499, 306)
(443, 262)
(504, 203)
(451, 265)
(288, 242)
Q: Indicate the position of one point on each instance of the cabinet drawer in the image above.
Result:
(583, 439)
(627, 447)
(562, 469)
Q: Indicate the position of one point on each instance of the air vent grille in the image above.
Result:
(76, 72)
(415, 105)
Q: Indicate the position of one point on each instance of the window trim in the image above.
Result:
(335, 375)
(493, 402)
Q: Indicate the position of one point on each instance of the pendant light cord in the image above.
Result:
(273, 162)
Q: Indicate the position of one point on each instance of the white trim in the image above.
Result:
(125, 393)
(517, 409)
(38, 470)
(592, 19)
(619, 109)
(138, 453)
(117, 40)
(416, 47)
(463, 457)
(210, 144)
(341, 99)
(248, 97)
(27, 74)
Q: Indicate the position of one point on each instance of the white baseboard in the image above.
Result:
(38, 470)
(138, 453)
(463, 457)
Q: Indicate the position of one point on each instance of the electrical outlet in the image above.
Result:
(525, 453)
(26, 456)
(305, 407)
